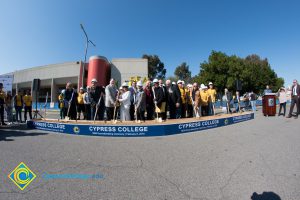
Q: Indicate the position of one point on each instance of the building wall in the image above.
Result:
(54, 77)
(51, 77)
(69, 69)
(123, 69)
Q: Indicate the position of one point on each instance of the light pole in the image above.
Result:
(86, 48)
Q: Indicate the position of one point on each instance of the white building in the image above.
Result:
(55, 76)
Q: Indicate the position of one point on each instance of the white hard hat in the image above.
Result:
(210, 83)
(179, 81)
(155, 80)
(139, 83)
(202, 86)
(94, 80)
(173, 83)
(81, 88)
(125, 84)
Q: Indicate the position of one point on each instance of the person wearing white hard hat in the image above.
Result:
(133, 90)
(87, 103)
(212, 93)
(173, 100)
(70, 98)
(110, 99)
(204, 100)
(149, 100)
(197, 100)
(140, 102)
(183, 98)
(80, 103)
(97, 100)
(190, 101)
(163, 87)
(159, 100)
(125, 103)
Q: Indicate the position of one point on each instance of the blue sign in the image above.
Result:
(137, 130)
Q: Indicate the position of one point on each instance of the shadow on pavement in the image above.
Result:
(265, 196)
(16, 131)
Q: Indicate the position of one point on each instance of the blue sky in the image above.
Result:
(35, 32)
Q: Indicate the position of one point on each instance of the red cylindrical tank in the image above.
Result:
(99, 68)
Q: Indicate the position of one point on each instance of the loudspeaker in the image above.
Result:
(36, 84)
(238, 85)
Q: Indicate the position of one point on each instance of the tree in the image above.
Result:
(183, 72)
(254, 72)
(156, 68)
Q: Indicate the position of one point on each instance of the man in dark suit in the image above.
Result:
(295, 97)
(173, 99)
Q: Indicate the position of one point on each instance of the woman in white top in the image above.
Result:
(282, 100)
(125, 103)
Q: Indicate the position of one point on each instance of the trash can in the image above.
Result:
(269, 104)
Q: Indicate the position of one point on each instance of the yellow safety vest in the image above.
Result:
(183, 97)
(2, 97)
(212, 94)
(18, 100)
(61, 101)
(204, 98)
(27, 99)
(80, 98)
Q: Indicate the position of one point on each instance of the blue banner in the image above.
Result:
(120, 130)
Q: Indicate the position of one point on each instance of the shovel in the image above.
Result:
(69, 106)
(97, 107)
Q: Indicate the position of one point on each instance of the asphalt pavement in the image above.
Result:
(256, 159)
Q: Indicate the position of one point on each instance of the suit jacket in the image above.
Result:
(110, 95)
(173, 95)
(141, 100)
(159, 95)
(298, 90)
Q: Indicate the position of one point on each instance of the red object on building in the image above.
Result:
(99, 68)
(269, 104)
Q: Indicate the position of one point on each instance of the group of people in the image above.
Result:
(152, 100)
(20, 101)
(295, 100)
